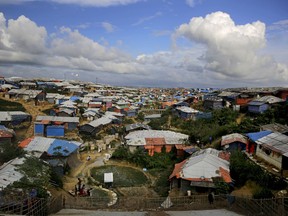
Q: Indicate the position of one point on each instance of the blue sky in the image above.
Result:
(165, 43)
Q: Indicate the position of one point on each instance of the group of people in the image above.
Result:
(80, 189)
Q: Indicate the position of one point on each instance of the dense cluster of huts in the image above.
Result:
(90, 108)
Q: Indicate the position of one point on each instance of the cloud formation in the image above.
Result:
(66, 48)
(232, 50)
(192, 3)
(97, 3)
(218, 53)
(108, 27)
(148, 18)
(15, 1)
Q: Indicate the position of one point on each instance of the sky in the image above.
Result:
(147, 43)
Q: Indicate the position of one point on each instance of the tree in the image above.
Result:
(122, 152)
(140, 116)
(9, 151)
(36, 176)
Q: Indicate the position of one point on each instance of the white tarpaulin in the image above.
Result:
(108, 177)
(167, 203)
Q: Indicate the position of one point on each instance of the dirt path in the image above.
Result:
(240, 118)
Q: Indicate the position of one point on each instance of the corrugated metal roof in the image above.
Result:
(136, 126)
(11, 115)
(228, 94)
(155, 134)
(58, 119)
(8, 173)
(153, 116)
(68, 111)
(270, 99)
(31, 93)
(276, 142)
(203, 165)
(170, 137)
(235, 137)
(136, 142)
(39, 144)
(5, 116)
(100, 121)
(187, 109)
(44, 144)
(275, 127)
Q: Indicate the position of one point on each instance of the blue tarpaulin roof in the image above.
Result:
(258, 135)
(74, 98)
(256, 103)
(67, 147)
(191, 150)
(2, 127)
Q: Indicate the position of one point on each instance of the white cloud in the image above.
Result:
(158, 33)
(15, 1)
(217, 53)
(32, 39)
(192, 3)
(148, 18)
(83, 25)
(232, 50)
(108, 27)
(97, 3)
(66, 49)
(279, 25)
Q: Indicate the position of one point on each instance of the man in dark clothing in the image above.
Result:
(210, 198)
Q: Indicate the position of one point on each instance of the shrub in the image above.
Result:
(262, 193)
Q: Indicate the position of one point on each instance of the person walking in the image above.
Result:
(210, 198)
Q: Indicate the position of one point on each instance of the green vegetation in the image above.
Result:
(97, 192)
(123, 176)
(243, 170)
(9, 151)
(223, 122)
(36, 176)
(140, 116)
(140, 158)
(162, 184)
(11, 106)
(160, 165)
(128, 121)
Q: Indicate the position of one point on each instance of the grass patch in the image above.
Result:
(11, 106)
(99, 193)
(122, 176)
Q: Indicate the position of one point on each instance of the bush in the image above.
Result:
(262, 193)
(56, 179)
(162, 183)
(11, 106)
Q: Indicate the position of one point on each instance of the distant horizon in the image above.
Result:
(163, 43)
(135, 86)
